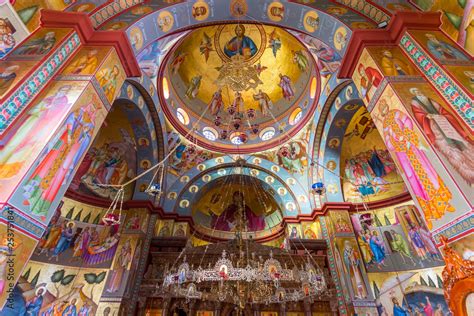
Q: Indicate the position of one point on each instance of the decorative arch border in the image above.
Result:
(295, 190)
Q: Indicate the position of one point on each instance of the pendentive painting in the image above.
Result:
(369, 172)
(111, 160)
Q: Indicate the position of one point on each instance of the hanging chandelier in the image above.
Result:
(245, 273)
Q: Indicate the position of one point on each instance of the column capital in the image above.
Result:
(390, 35)
(82, 24)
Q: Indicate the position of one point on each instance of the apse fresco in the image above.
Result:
(427, 180)
(87, 61)
(395, 239)
(111, 160)
(457, 18)
(40, 120)
(443, 129)
(369, 171)
(41, 43)
(419, 292)
(12, 29)
(440, 46)
(246, 202)
(11, 73)
(392, 61)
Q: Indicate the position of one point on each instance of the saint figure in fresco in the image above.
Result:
(300, 59)
(416, 241)
(399, 245)
(397, 309)
(64, 241)
(240, 44)
(238, 103)
(328, 60)
(81, 244)
(58, 161)
(401, 138)
(33, 306)
(32, 132)
(445, 133)
(216, 103)
(353, 268)
(193, 88)
(124, 256)
(87, 64)
(70, 309)
(228, 219)
(378, 249)
(264, 102)
(370, 79)
(286, 87)
(393, 66)
(442, 50)
(363, 241)
(107, 79)
(7, 41)
(39, 46)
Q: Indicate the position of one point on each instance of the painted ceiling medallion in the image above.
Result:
(235, 81)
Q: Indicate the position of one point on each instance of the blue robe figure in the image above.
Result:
(71, 309)
(442, 50)
(397, 309)
(240, 44)
(65, 240)
(33, 307)
(376, 164)
(377, 249)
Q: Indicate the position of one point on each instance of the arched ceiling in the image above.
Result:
(238, 87)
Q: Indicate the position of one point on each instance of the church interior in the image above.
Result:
(236, 157)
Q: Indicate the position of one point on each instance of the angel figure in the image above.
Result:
(264, 102)
(274, 42)
(177, 61)
(205, 48)
(193, 88)
(300, 59)
(286, 87)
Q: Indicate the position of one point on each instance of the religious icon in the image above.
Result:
(7, 41)
(107, 79)
(240, 44)
(205, 48)
(177, 61)
(216, 103)
(354, 270)
(39, 46)
(59, 160)
(444, 132)
(193, 88)
(443, 50)
(228, 219)
(238, 103)
(86, 64)
(394, 66)
(286, 87)
(430, 190)
(65, 239)
(264, 102)
(118, 273)
(340, 38)
(370, 79)
(274, 42)
(300, 59)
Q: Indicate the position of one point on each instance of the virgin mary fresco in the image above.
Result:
(229, 219)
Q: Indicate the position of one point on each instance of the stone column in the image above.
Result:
(404, 75)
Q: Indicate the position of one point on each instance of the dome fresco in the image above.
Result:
(238, 84)
(236, 157)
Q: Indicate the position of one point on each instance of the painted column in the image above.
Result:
(352, 275)
(424, 116)
(48, 119)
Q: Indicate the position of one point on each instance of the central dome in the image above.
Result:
(239, 88)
